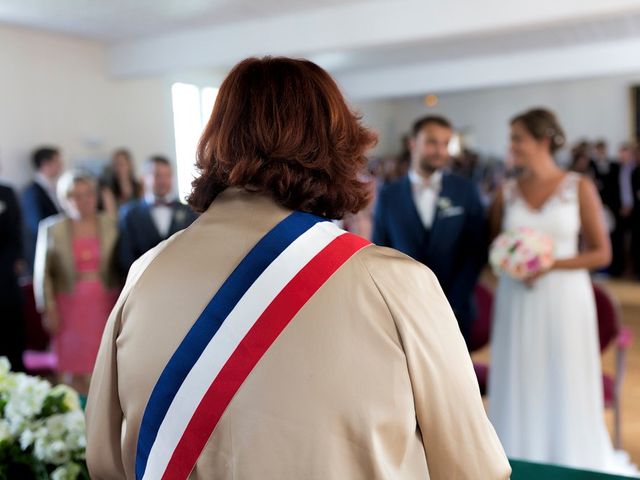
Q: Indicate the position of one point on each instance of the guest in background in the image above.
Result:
(436, 217)
(622, 201)
(466, 164)
(146, 222)
(635, 220)
(600, 162)
(39, 198)
(604, 173)
(119, 184)
(581, 162)
(75, 283)
(12, 331)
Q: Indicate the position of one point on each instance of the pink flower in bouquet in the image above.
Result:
(521, 253)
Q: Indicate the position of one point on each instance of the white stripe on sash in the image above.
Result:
(243, 316)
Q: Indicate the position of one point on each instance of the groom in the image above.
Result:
(436, 217)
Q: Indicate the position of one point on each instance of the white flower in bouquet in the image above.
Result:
(5, 431)
(25, 401)
(47, 424)
(69, 471)
(76, 437)
(27, 437)
(521, 253)
(55, 426)
(6, 378)
(57, 453)
(5, 367)
(70, 399)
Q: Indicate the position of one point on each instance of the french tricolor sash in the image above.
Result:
(243, 319)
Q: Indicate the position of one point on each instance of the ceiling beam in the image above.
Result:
(567, 63)
(346, 27)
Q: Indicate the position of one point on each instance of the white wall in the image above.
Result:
(54, 90)
(593, 108)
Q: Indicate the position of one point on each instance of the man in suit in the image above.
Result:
(145, 223)
(619, 199)
(12, 337)
(39, 199)
(635, 218)
(437, 218)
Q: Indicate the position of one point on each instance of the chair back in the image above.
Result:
(481, 328)
(608, 316)
(36, 336)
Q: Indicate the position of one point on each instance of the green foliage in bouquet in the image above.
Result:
(42, 429)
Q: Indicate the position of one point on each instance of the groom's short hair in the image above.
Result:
(424, 121)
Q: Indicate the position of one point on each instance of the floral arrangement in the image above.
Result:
(521, 253)
(42, 429)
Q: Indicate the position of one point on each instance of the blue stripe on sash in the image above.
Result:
(208, 323)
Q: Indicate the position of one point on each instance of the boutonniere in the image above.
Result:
(448, 209)
(444, 203)
(180, 216)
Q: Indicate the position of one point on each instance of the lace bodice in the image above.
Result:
(559, 216)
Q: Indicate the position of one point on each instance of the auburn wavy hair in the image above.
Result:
(281, 126)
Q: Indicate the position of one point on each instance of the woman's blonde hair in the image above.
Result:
(67, 182)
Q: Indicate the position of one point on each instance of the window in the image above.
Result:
(192, 107)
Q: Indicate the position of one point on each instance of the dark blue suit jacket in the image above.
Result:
(138, 232)
(10, 245)
(11, 322)
(36, 206)
(456, 246)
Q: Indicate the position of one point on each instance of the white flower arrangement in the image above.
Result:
(42, 429)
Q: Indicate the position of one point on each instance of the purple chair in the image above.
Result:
(481, 331)
(612, 331)
(37, 359)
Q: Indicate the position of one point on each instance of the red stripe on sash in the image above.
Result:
(253, 346)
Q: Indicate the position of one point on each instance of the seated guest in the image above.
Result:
(74, 282)
(12, 332)
(39, 199)
(119, 184)
(146, 222)
(263, 342)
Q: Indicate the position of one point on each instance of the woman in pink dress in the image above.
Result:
(75, 284)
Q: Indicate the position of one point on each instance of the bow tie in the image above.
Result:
(160, 202)
(429, 184)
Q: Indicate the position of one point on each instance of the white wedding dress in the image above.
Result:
(545, 385)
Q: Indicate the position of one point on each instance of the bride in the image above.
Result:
(545, 387)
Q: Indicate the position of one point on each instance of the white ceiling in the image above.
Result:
(375, 48)
(117, 20)
(564, 35)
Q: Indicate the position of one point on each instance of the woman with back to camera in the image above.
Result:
(285, 348)
(545, 387)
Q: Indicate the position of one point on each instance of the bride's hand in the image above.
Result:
(532, 279)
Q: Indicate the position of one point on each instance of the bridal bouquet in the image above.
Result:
(521, 253)
(42, 430)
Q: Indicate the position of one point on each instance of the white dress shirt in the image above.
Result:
(161, 214)
(425, 195)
